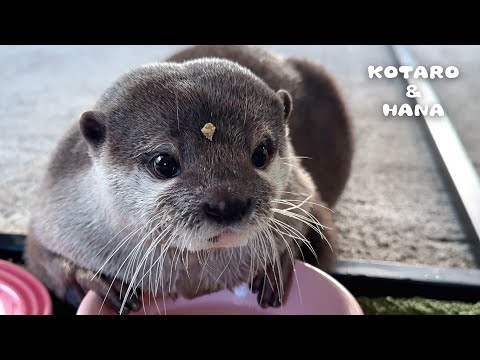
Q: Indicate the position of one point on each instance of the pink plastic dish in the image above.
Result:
(21, 293)
(316, 293)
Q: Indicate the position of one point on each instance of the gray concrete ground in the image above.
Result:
(395, 207)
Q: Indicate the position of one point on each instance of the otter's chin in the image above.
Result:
(226, 239)
(230, 239)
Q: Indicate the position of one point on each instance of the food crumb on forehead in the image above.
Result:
(208, 130)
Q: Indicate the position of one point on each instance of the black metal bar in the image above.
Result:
(377, 278)
(12, 242)
(11, 247)
(459, 167)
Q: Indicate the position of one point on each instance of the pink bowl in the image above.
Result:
(21, 293)
(316, 293)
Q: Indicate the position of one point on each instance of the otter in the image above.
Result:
(138, 200)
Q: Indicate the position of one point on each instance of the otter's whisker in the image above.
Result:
(293, 206)
(144, 240)
(296, 167)
(207, 257)
(264, 282)
(226, 266)
(118, 247)
(309, 217)
(143, 298)
(163, 255)
(210, 270)
(160, 261)
(296, 234)
(295, 157)
(151, 270)
(306, 202)
(162, 251)
(150, 283)
(132, 282)
(137, 266)
(137, 250)
(273, 260)
(198, 253)
(116, 274)
(269, 241)
(251, 272)
(290, 252)
(185, 252)
(171, 268)
(299, 218)
(149, 274)
(121, 266)
(309, 220)
(294, 238)
(278, 264)
(264, 262)
(156, 305)
(113, 238)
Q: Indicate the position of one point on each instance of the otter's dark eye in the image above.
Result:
(260, 156)
(165, 166)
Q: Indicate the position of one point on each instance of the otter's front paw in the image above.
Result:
(113, 294)
(270, 287)
(71, 282)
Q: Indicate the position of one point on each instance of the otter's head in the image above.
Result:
(161, 172)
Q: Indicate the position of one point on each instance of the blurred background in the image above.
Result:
(396, 206)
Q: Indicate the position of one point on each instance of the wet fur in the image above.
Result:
(96, 195)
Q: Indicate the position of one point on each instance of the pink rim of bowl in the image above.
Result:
(312, 292)
(21, 293)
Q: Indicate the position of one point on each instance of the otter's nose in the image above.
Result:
(228, 211)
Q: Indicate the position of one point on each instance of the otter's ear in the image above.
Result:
(92, 127)
(287, 103)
